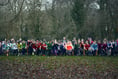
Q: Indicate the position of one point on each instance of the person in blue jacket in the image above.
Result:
(94, 48)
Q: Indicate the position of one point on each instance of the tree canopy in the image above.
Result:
(52, 19)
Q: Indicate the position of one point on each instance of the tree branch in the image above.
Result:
(17, 15)
(3, 4)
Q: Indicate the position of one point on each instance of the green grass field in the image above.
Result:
(63, 67)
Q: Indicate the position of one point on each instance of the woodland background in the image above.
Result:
(52, 19)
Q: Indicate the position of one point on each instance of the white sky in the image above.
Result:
(44, 2)
(94, 5)
(50, 1)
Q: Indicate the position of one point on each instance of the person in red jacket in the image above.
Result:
(39, 44)
(43, 48)
(86, 47)
(34, 47)
(104, 47)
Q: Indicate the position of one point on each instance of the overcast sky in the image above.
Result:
(44, 2)
(50, 1)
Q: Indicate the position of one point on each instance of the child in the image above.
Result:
(19, 44)
(94, 47)
(34, 48)
(99, 47)
(8, 48)
(37, 47)
(90, 41)
(69, 47)
(86, 47)
(0, 48)
(55, 48)
(4, 45)
(117, 42)
(109, 47)
(29, 48)
(104, 48)
(14, 48)
(117, 46)
(23, 47)
(113, 48)
(76, 48)
(82, 47)
(49, 48)
(43, 48)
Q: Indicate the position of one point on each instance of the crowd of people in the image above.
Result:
(75, 47)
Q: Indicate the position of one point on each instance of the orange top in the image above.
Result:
(69, 47)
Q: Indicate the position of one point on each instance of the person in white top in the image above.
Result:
(14, 48)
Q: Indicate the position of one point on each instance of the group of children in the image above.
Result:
(62, 47)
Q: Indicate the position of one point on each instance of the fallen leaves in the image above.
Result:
(58, 68)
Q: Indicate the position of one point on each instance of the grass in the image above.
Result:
(60, 67)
